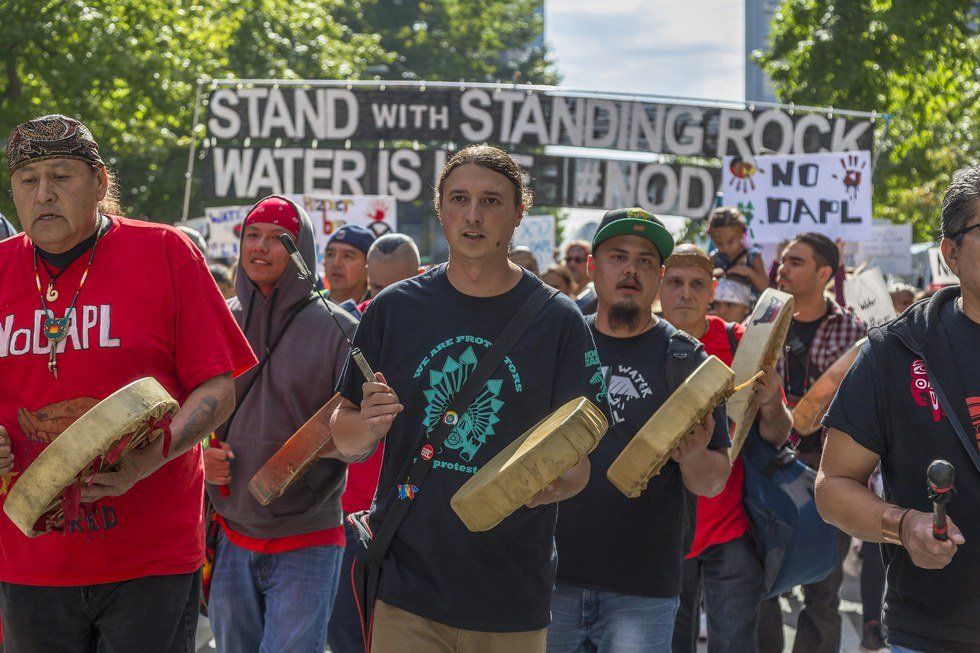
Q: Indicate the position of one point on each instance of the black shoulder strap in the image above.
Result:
(297, 309)
(503, 345)
(681, 359)
(732, 337)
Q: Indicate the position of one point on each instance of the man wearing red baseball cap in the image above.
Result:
(277, 567)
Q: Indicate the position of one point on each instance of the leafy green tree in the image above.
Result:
(449, 40)
(918, 61)
(128, 68)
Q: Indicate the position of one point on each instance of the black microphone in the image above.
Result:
(304, 273)
(940, 476)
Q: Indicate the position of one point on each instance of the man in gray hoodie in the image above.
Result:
(277, 567)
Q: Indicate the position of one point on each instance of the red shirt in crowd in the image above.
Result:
(148, 308)
(721, 518)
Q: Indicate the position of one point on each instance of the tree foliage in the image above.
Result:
(917, 61)
(128, 68)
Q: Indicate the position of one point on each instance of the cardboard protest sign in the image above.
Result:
(867, 293)
(888, 248)
(331, 212)
(537, 232)
(782, 196)
(941, 274)
(222, 220)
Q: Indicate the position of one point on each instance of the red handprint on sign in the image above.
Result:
(852, 175)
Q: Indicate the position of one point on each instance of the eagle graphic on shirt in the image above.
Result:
(473, 427)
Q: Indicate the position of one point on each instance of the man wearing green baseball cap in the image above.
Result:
(626, 598)
(634, 222)
(625, 222)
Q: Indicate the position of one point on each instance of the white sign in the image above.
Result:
(941, 274)
(331, 212)
(537, 232)
(887, 249)
(222, 239)
(867, 293)
(783, 196)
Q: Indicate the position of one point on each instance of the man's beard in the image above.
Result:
(624, 315)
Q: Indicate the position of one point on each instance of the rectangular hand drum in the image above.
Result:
(646, 454)
(529, 464)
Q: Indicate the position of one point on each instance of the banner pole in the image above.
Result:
(190, 153)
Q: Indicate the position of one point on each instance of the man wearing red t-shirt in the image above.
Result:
(722, 559)
(132, 300)
(277, 567)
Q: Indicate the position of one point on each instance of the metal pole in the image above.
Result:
(190, 153)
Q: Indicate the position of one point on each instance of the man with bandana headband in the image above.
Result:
(119, 300)
(619, 559)
(277, 567)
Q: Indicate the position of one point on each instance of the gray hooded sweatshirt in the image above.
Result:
(297, 380)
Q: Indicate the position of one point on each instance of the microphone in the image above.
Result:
(304, 273)
(940, 476)
(287, 242)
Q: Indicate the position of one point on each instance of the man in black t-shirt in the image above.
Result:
(911, 397)
(619, 559)
(820, 333)
(442, 586)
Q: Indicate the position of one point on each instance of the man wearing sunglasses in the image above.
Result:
(911, 397)
(576, 254)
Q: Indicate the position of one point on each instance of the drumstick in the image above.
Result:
(304, 273)
(752, 379)
(223, 490)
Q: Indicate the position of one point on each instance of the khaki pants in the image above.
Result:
(398, 631)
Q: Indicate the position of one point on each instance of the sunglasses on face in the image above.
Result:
(575, 259)
(961, 232)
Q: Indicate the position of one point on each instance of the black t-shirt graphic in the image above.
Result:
(426, 337)
(607, 541)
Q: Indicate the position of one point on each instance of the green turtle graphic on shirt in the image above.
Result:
(473, 427)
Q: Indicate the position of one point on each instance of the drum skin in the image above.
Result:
(649, 450)
(530, 464)
(34, 502)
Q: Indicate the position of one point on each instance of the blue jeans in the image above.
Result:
(344, 632)
(902, 649)
(730, 577)
(277, 602)
(585, 620)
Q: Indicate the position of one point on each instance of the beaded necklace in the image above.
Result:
(56, 328)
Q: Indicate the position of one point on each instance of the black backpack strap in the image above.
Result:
(296, 310)
(732, 336)
(488, 363)
(681, 358)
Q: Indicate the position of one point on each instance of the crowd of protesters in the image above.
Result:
(253, 355)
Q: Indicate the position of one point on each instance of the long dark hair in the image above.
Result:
(491, 158)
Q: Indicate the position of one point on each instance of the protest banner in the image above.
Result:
(867, 293)
(392, 138)
(222, 237)
(537, 232)
(379, 213)
(941, 274)
(781, 196)
(887, 249)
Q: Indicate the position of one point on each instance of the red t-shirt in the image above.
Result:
(362, 481)
(149, 308)
(721, 518)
